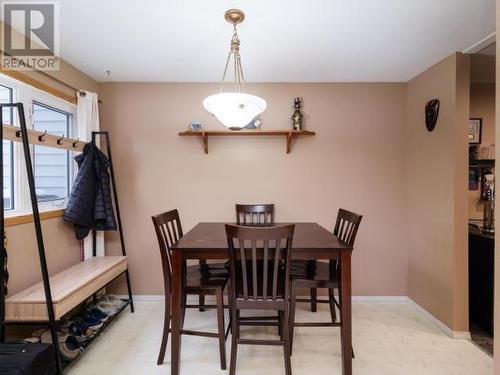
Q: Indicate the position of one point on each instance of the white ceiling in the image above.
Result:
(281, 40)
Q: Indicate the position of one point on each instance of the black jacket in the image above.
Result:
(90, 205)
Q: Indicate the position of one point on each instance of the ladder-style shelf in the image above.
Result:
(289, 134)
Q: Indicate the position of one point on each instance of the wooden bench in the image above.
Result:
(69, 288)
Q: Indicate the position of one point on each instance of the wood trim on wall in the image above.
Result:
(12, 133)
(39, 85)
(28, 218)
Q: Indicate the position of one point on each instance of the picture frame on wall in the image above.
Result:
(475, 128)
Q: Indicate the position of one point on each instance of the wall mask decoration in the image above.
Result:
(431, 114)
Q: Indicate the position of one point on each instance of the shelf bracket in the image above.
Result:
(204, 137)
(289, 137)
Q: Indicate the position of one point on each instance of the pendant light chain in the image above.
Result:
(234, 108)
(239, 81)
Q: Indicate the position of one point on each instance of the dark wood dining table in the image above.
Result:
(310, 242)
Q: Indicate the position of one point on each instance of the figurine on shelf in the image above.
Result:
(196, 126)
(297, 115)
(254, 124)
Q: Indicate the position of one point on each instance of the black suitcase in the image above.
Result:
(27, 359)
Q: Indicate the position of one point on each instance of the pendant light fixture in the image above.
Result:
(235, 109)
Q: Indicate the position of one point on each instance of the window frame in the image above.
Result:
(28, 95)
(67, 133)
(11, 153)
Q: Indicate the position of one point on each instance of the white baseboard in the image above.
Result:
(459, 335)
(379, 299)
(159, 297)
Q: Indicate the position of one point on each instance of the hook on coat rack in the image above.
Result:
(40, 137)
(18, 133)
(76, 142)
(60, 140)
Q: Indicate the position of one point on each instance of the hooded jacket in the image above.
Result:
(90, 205)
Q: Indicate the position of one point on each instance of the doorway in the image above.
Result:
(481, 133)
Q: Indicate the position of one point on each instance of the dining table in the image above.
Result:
(311, 241)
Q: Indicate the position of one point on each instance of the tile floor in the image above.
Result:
(389, 339)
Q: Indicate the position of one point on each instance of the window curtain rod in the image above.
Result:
(42, 73)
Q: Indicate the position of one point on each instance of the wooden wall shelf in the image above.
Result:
(289, 134)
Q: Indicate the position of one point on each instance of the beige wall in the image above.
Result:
(482, 69)
(482, 105)
(368, 137)
(62, 248)
(356, 160)
(437, 193)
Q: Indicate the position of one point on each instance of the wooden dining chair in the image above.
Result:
(198, 280)
(317, 274)
(258, 285)
(256, 215)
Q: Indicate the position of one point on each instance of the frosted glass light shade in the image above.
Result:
(233, 109)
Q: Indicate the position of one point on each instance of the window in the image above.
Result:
(53, 168)
(51, 165)
(6, 96)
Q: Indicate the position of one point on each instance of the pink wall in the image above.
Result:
(437, 192)
(357, 160)
(61, 248)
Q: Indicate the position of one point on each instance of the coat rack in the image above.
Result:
(13, 133)
(28, 137)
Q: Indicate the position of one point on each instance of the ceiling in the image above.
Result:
(281, 40)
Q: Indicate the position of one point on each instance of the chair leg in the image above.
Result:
(293, 297)
(230, 307)
(280, 324)
(201, 302)
(314, 298)
(333, 311)
(340, 308)
(234, 344)
(286, 347)
(238, 325)
(220, 321)
(166, 329)
(184, 303)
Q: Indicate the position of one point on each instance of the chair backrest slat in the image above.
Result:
(255, 214)
(277, 255)
(257, 243)
(244, 268)
(346, 226)
(254, 269)
(168, 231)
